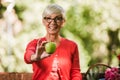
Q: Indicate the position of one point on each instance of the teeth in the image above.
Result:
(52, 28)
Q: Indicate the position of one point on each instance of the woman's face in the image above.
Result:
(53, 23)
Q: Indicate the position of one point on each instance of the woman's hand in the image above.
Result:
(40, 51)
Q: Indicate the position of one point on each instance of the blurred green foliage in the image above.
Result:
(2, 10)
(94, 26)
(19, 9)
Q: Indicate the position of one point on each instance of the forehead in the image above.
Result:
(54, 15)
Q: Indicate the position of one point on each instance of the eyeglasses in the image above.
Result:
(56, 19)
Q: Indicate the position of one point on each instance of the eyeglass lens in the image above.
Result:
(56, 19)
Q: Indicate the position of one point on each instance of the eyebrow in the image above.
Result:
(54, 17)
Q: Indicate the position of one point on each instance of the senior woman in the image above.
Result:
(63, 64)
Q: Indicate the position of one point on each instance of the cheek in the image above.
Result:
(46, 26)
(62, 24)
(45, 23)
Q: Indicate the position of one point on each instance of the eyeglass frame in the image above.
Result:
(56, 19)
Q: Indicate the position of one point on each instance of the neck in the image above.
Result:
(53, 38)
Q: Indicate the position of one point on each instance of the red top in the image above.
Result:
(67, 56)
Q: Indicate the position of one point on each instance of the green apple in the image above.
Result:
(50, 47)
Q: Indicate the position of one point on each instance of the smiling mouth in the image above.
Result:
(52, 28)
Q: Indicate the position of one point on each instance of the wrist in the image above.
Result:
(34, 57)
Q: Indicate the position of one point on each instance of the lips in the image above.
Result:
(52, 27)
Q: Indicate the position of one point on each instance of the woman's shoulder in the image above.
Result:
(68, 41)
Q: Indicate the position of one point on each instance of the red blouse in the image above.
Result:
(68, 61)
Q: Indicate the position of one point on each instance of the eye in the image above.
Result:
(47, 18)
(59, 18)
(56, 19)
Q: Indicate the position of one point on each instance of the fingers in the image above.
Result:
(40, 47)
(39, 42)
(43, 43)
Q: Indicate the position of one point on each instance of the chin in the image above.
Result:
(53, 32)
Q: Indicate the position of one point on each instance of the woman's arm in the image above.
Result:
(75, 70)
(30, 51)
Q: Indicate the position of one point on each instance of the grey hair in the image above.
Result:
(53, 8)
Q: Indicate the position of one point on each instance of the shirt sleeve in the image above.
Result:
(75, 70)
(30, 49)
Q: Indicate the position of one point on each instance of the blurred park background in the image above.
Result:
(93, 24)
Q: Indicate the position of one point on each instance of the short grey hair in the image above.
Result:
(53, 9)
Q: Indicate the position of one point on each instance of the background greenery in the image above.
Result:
(93, 24)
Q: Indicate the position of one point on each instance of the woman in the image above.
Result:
(63, 64)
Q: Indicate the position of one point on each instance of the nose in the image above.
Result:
(53, 21)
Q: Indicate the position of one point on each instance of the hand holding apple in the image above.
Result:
(40, 49)
(43, 50)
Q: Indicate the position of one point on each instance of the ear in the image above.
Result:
(63, 22)
(43, 21)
